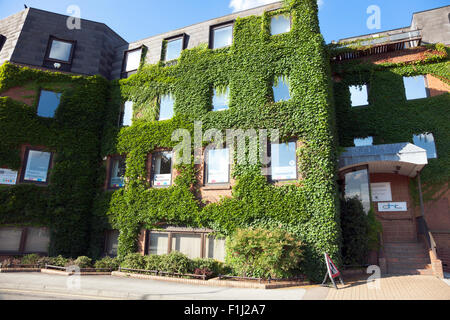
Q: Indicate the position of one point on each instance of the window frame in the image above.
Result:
(182, 36)
(206, 168)
(122, 114)
(24, 166)
(107, 237)
(23, 242)
(39, 101)
(214, 93)
(271, 166)
(368, 95)
(151, 167)
(427, 89)
(288, 86)
(434, 143)
(220, 26)
(160, 98)
(111, 160)
(49, 48)
(124, 73)
(363, 139)
(277, 15)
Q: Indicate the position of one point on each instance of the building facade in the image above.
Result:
(92, 164)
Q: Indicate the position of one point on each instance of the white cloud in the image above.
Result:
(239, 5)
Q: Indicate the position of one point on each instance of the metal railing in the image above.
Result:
(66, 269)
(427, 235)
(165, 273)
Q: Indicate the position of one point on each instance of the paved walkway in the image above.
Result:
(394, 288)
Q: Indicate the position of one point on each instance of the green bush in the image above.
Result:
(59, 261)
(175, 262)
(83, 262)
(209, 267)
(153, 262)
(30, 259)
(264, 253)
(374, 229)
(107, 263)
(134, 261)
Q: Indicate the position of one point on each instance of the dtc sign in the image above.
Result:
(392, 206)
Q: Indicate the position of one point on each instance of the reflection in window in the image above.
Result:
(112, 241)
(188, 244)
(159, 243)
(10, 239)
(218, 169)
(133, 60)
(173, 49)
(166, 108)
(363, 142)
(118, 173)
(357, 185)
(280, 24)
(60, 50)
(162, 169)
(359, 95)
(415, 87)
(426, 141)
(221, 100)
(126, 116)
(223, 36)
(37, 167)
(38, 240)
(284, 163)
(48, 103)
(281, 90)
(215, 248)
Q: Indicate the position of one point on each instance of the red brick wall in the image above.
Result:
(437, 86)
(443, 249)
(21, 94)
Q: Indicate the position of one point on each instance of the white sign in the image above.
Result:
(392, 206)
(8, 177)
(162, 179)
(381, 191)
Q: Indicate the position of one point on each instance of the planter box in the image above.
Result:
(65, 273)
(11, 270)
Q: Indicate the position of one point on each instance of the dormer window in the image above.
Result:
(131, 61)
(221, 36)
(174, 47)
(59, 54)
(280, 24)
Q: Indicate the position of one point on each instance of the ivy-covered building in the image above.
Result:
(92, 128)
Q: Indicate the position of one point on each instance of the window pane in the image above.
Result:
(37, 166)
(162, 169)
(215, 248)
(363, 142)
(60, 50)
(415, 87)
(118, 173)
(48, 103)
(174, 49)
(221, 100)
(133, 60)
(8, 177)
(189, 244)
(38, 240)
(218, 166)
(357, 185)
(281, 91)
(10, 239)
(166, 108)
(159, 243)
(223, 37)
(128, 114)
(426, 141)
(359, 95)
(112, 241)
(280, 24)
(284, 164)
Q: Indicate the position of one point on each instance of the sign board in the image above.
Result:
(162, 179)
(381, 191)
(8, 177)
(332, 272)
(392, 206)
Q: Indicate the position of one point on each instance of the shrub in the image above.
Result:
(262, 253)
(175, 262)
(30, 259)
(83, 262)
(134, 261)
(10, 262)
(374, 229)
(59, 261)
(209, 267)
(43, 261)
(153, 262)
(107, 263)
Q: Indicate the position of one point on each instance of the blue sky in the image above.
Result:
(138, 19)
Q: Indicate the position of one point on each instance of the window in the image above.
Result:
(281, 90)
(166, 108)
(117, 178)
(37, 166)
(221, 100)
(8, 177)
(221, 36)
(111, 242)
(357, 185)
(363, 142)
(162, 169)
(132, 60)
(359, 95)
(415, 87)
(280, 24)
(426, 141)
(284, 161)
(20, 240)
(174, 47)
(195, 243)
(48, 103)
(60, 50)
(2, 41)
(217, 166)
(126, 116)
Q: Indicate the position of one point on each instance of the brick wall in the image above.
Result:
(436, 86)
(21, 94)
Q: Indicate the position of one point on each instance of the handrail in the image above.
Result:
(428, 236)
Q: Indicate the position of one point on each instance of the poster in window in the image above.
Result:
(381, 191)
(162, 179)
(284, 173)
(8, 177)
(37, 166)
